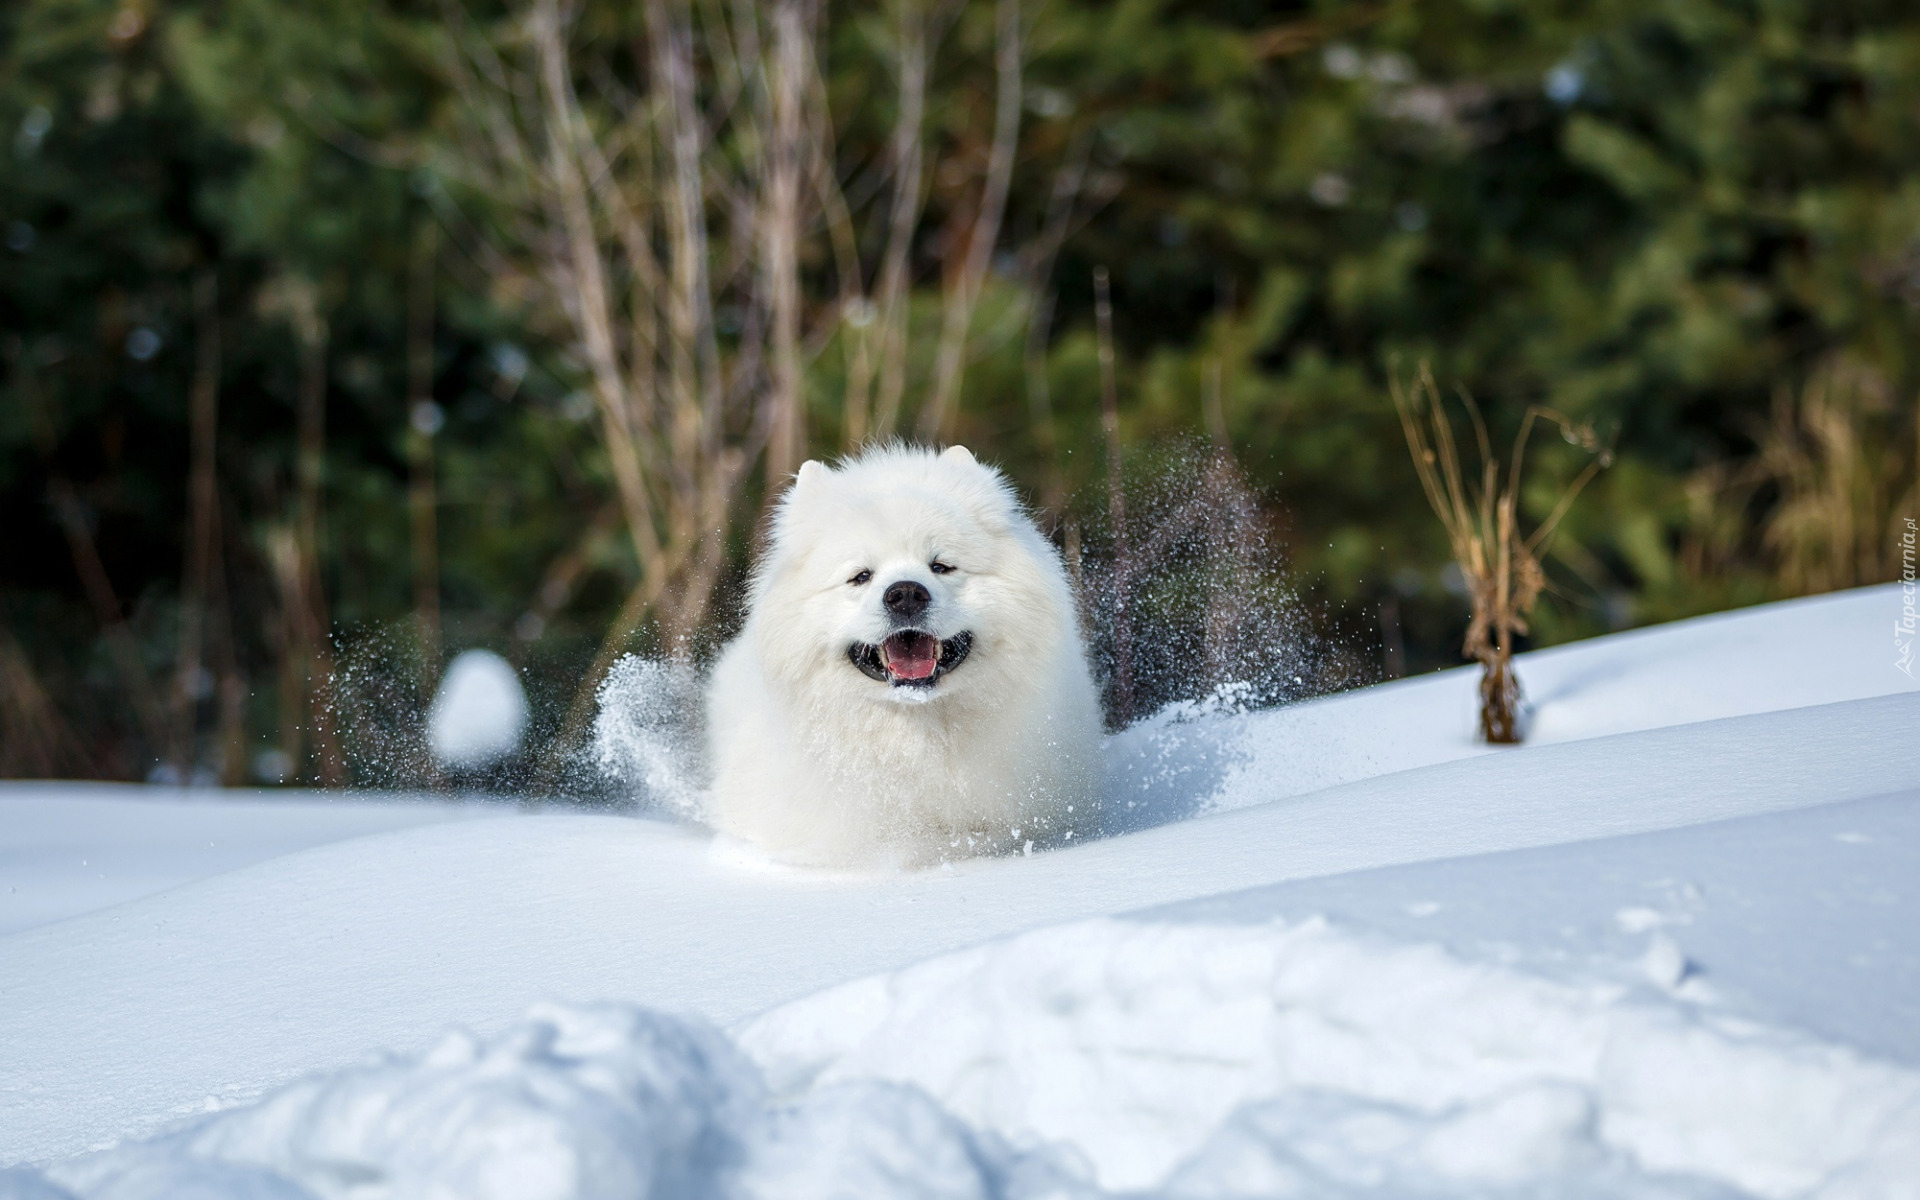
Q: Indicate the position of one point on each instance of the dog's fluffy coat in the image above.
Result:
(816, 761)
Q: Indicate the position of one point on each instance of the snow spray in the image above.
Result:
(1196, 599)
(647, 734)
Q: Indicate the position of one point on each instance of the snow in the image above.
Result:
(1134, 1042)
(479, 712)
(1668, 948)
(68, 848)
(1798, 919)
(605, 1101)
(1796, 654)
(1211, 1050)
(644, 734)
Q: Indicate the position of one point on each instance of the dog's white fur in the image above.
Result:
(816, 763)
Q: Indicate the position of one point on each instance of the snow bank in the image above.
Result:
(1252, 1055)
(1819, 650)
(1283, 1059)
(575, 1103)
(117, 1021)
(217, 993)
(71, 848)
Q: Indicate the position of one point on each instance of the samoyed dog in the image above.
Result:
(910, 685)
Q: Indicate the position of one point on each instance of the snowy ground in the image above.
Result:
(1669, 948)
(71, 848)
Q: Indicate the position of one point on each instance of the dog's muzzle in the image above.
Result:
(910, 658)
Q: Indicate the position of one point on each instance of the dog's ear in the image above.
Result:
(959, 454)
(811, 473)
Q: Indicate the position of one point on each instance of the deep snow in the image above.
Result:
(1472, 984)
(1194, 1057)
(1818, 650)
(1223, 1047)
(71, 848)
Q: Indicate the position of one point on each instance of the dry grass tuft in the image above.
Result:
(1822, 502)
(1844, 475)
(1482, 518)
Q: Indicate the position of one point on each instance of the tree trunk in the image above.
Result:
(422, 423)
(191, 680)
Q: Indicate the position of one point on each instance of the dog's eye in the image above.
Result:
(861, 578)
(939, 568)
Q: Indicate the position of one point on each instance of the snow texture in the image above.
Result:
(117, 1021)
(479, 714)
(1189, 1059)
(1239, 1055)
(575, 1103)
(72, 848)
(1666, 950)
(1210, 757)
(646, 734)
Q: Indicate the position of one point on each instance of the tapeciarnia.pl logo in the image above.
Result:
(1903, 629)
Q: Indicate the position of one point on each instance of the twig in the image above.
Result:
(936, 421)
(780, 223)
(74, 522)
(1116, 504)
(908, 151)
(203, 408)
(422, 492)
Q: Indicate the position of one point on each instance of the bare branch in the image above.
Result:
(780, 235)
(908, 154)
(936, 420)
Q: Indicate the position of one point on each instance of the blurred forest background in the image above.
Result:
(339, 335)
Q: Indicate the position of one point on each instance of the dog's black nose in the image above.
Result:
(906, 599)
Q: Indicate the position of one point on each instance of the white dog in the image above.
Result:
(910, 685)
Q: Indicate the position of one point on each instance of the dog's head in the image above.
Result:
(904, 575)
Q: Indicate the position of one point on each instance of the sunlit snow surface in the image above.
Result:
(1668, 949)
(71, 848)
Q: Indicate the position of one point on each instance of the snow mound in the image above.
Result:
(118, 1021)
(1299, 1058)
(1194, 1060)
(479, 714)
(71, 848)
(575, 1103)
(1214, 756)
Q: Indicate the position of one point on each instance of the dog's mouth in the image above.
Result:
(910, 658)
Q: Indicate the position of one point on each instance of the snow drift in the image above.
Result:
(1191, 1060)
(1680, 962)
(117, 1021)
(1242, 1058)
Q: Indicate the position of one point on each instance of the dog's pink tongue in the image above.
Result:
(912, 655)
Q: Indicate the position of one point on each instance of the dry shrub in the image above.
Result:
(1821, 502)
(1501, 566)
(1844, 471)
(34, 739)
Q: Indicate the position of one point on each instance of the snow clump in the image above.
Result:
(1175, 1058)
(479, 714)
